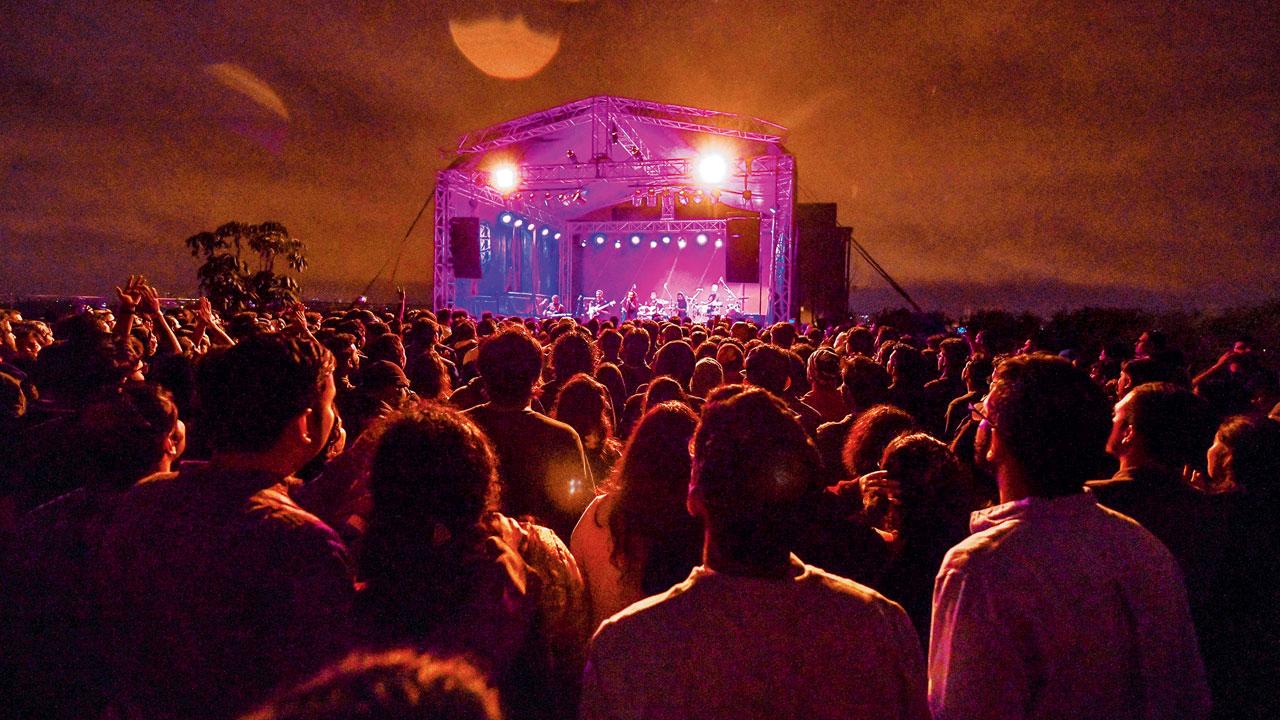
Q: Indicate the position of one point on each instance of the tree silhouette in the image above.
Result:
(227, 276)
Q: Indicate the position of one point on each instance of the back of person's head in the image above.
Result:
(824, 368)
(730, 356)
(251, 391)
(707, 375)
(584, 405)
(931, 497)
(860, 341)
(1052, 420)
(663, 389)
(782, 334)
(423, 333)
(768, 367)
(907, 365)
(752, 463)
(1151, 370)
(635, 346)
(1253, 446)
(675, 360)
(977, 373)
(1174, 426)
(394, 685)
(387, 346)
(953, 352)
(429, 376)
(651, 481)
(126, 436)
(870, 434)
(864, 382)
(610, 342)
(75, 371)
(510, 362)
(572, 354)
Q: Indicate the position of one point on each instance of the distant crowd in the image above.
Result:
(419, 513)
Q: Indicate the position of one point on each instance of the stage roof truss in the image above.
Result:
(622, 227)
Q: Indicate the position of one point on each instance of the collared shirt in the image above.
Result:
(1060, 608)
(811, 645)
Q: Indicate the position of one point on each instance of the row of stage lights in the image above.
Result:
(709, 169)
(701, 239)
(519, 223)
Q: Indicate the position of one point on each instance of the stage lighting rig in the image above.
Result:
(506, 218)
(504, 178)
(701, 239)
(712, 168)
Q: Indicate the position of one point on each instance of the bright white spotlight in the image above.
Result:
(713, 168)
(600, 239)
(546, 232)
(532, 227)
(719, 243)
(583, 243)
(504, 178)
(506, 218)
(556, 236)
(681, 243)
(666, 239)
(635, 239)
(617, 244)
(518, 223)
(653, 244)
(702, 238)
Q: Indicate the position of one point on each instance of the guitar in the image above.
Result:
(593, 310)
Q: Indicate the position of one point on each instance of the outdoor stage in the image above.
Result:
(608, 194)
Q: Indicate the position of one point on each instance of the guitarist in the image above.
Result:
(597, 305)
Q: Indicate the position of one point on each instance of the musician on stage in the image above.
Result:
(553, 306)
(631, 304)
(596, 305)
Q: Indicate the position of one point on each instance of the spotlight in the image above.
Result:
(504, 178)
(532, 227)
(653, 244)
(518, 223)
(635, 239)
(681, 244)
(617, 244)
(573, 156)
(506, 218)
(600, 239)
(556, 236)
(719, 243)
(583, 243)
(702, 238)
(666, 239)
(713, 168)
(545, 232)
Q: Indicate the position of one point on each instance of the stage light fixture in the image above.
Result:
(546, 232)
(506, 218)
(556, 236)
(635, 239)
(702, 238)
(504, 178)
(719, 243)
(583, 243)
(653, 244)
(518, 222)
(600, 239)
(681, 244)
(532, 227)
(712, 168)
(666, 239)
(617, 244)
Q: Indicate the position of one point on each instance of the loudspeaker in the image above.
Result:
(464, 247)
(742, 250)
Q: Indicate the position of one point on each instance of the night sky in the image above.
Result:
(1010, 153)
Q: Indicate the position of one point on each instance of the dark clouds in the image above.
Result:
(985, 152)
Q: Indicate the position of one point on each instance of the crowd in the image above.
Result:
(424, 514)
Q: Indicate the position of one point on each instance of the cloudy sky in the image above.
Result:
(1014, 153)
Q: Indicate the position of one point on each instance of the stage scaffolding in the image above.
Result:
(577, 160)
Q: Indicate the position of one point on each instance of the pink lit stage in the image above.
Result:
(608, 194)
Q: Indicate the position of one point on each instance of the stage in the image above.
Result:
(616, 195)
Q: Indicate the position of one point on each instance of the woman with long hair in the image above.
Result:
(443, 571)
(638, 539)
(583, 404)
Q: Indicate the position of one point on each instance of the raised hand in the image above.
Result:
(130, 295)
(149, 298)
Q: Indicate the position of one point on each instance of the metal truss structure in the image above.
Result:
(633, 130)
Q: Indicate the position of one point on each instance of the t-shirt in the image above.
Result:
(811, 645)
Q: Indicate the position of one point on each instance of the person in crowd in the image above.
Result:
(977, 379)
(393, 685)
(827, 647)
(610, 376)
(1055, 606)
(953, 356)
(864, 384)
(769, 367)
(731, 357)
(543, 467)
(907, 368)
(920, 501)
(571, 354)
(635, 351)
(637, 539)
(583, 404)
(383, 389)
(707, 376)
(673, 360)
(870, 434)
(429, 377)
(443, 570)
(662, 389)
(824, 395)
(218, 584)
(53, 643)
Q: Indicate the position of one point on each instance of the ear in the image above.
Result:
(694, 502)
(176, 442)
(303, 426)
(1128, 437)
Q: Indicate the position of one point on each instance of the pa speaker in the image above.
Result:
(742, 253)
(464, 247)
